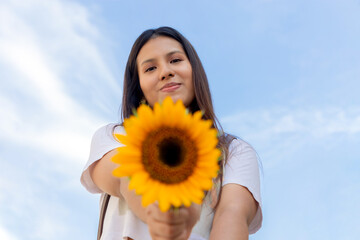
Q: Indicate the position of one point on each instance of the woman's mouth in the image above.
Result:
(170, 87)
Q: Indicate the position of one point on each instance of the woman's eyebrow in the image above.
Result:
(148, 60)
(167, 55)
(172, 52)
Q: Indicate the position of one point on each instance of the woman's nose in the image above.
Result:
(166, 73)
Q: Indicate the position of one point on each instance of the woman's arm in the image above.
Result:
(236, 210)
(101, 174)
(169, 225)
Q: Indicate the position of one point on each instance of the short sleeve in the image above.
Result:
(102, 142)
(242, 168)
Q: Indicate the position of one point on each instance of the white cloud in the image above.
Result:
(39, 43)
(55, 84)
(32, 204)
(280, 134)
(314, 122)
(5, 235)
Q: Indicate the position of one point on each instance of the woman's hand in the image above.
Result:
(175, 224)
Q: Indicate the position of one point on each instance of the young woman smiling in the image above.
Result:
(163, 63)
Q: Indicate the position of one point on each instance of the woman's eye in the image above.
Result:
(150, 69)
(175, 60)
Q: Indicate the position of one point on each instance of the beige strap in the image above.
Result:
(102, 214)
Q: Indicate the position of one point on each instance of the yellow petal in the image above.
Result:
(185, 194)
(164, 203)
(179, 115)
(138, 179)
(195, 191)
(158, 117)
(127, 170)
(146, 116)
(129, 151)
(173, 195)
(120, 172)
(204, 182)
(128, 141)
(151, 195)
(123, 159)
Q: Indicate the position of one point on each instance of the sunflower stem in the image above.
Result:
(175, 210)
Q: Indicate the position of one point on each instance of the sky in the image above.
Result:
(284, 76)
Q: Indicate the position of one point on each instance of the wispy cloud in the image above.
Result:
(279, 134)
(56, 87)
(315, 122)
(4, 234)
(37, 75)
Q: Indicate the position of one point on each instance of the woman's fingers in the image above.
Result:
(167, 225)
(173, 216)
(181, 236)
(163, 231)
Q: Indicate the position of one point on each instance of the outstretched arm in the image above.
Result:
(169, 225)
(236, 210)
(101, 173)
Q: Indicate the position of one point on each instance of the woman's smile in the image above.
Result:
(170, 87)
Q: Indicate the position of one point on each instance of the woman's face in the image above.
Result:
(164, 70)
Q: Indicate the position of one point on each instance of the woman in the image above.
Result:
(163, 63)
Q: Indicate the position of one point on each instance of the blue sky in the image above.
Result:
(284, 75)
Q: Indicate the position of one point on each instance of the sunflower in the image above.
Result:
(169, 155)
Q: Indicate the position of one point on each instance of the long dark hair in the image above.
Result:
(132, 93)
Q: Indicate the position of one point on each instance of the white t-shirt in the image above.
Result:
(241, 168)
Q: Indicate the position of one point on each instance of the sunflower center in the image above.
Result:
(169, 155)
(171, 151)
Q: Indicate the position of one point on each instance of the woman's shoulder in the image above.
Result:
(107, 131)
(105, 135)
(241, 154)
(238, 145)
(109, 128)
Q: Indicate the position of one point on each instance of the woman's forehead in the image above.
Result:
(158, 47)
